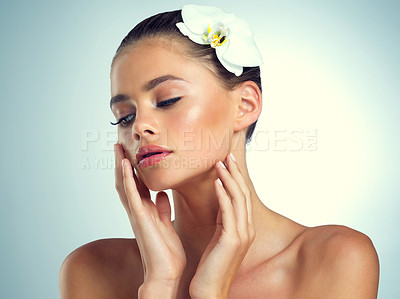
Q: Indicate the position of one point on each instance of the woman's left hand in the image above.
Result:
(233, 236)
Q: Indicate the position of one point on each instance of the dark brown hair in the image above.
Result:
(164, 25)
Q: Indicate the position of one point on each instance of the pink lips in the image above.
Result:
(151, 154)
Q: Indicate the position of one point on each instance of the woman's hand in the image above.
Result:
(233, 236)
(162, 253)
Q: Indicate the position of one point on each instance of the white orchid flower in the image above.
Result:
(231, 36)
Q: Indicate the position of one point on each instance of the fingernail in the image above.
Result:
(123, 161)
(232, 156)
(221, 164)
(219, 181)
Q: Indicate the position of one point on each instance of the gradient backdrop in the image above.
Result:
(326, 149)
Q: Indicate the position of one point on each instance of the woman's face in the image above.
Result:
(173, 102)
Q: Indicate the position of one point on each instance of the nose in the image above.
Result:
(145, 126)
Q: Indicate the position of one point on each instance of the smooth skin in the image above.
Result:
(224, 242)
(163, 255)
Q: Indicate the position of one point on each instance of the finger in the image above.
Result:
(119, 155)
(131, 191)
(141, 187)
(219, 216)
(163, 207)
(237, 196)
(226, 209)
(119, 184)
(238, 177)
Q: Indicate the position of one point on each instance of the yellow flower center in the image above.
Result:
(217, 36)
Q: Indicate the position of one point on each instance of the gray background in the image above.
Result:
(330, 79)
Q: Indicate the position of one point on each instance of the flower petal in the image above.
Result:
(236, 24)
(197, 17)
(243, 50)
(233, 68)
(207, 25)
(197, 38)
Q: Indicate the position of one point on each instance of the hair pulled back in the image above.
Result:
(163, 25)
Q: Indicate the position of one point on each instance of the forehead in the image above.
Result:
(150, 59)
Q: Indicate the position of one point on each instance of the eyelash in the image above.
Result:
(124, 121)
(168, 102)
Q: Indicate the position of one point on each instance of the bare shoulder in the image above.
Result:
(105, 268)
(338, 261)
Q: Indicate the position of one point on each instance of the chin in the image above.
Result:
(158, 184)
(157, 187)
(169, 177)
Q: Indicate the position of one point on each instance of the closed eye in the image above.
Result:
(124, 121)
(168, 102)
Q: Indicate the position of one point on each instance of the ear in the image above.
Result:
(249, 105)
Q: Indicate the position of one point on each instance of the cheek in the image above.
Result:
(126, 140)
(202, 128)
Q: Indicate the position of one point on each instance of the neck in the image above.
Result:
(196, 207)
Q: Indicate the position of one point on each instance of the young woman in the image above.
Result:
(186, 92)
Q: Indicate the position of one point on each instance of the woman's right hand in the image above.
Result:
(162, 253)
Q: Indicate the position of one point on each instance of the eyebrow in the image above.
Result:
(118, 98)
(147, 87)
(157, 81)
